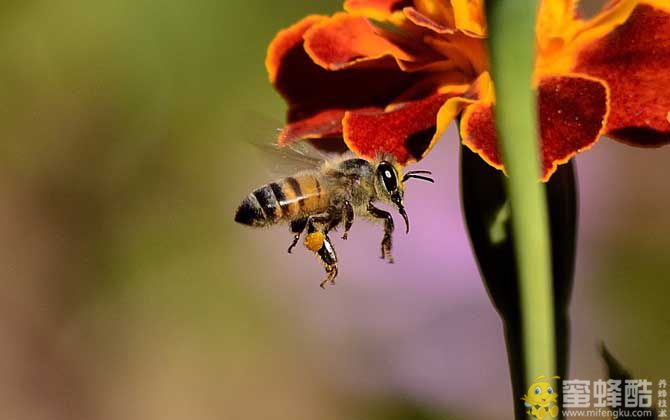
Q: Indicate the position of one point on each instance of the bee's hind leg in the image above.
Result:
(317, 240)
(297, 227)
(388, 230)
(328, 258)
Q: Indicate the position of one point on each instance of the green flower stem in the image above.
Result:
(511, 47)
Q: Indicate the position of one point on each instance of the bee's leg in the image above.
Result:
(317, 240)
(336, 214)
(325, 219)
(297, 227)
(388, 230)
(348, 216)
(332, 224)
(328, 258)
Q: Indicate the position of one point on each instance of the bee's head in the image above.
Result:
(390, 186)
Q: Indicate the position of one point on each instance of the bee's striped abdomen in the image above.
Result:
(283, 200)
(304, 194)
(260, 208)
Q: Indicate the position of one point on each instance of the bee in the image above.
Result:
(330, 194)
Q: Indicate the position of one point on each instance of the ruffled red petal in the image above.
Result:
(572, 110)
(438, 12)
(424, 21)
(634, 60)
(376, 9)
(344, 40)
(478, 133)
(285, 41)
(310, 90)
(324, 124)
(469, 17)
(405, 130)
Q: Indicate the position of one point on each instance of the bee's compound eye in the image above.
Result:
(550, 390)
(388, 176)
(538, 391)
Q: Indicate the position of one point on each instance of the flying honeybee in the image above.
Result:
(331, 192)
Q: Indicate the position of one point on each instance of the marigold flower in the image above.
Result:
(392, 74)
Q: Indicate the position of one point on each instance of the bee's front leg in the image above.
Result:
(388, 230)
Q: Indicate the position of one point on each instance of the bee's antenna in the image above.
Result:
(411, 175)
(419, 172)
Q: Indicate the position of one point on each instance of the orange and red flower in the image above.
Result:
(391, 75)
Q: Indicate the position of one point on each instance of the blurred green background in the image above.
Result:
(128, 292)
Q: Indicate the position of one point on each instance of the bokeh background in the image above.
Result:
(128, 292)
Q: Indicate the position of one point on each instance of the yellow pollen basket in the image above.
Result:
(314, 241)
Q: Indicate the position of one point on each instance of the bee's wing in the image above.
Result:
(291, 158)
(261, 133)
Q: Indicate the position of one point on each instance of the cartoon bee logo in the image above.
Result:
(330, 192)
(541, 399)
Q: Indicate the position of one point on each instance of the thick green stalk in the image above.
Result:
(511, 46)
